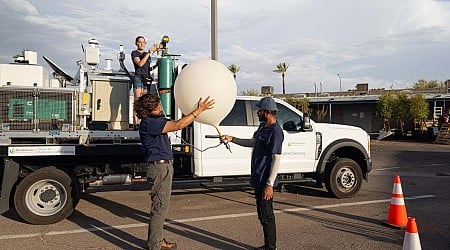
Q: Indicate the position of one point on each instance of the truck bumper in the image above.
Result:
(9, 171)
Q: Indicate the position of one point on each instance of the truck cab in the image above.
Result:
(338, 155)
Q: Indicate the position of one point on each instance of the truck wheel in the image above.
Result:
(44, 196)
(344, 178)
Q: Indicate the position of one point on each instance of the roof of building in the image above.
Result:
(361, 98)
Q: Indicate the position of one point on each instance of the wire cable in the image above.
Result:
(198, 149)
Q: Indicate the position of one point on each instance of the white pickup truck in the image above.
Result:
(337, 155)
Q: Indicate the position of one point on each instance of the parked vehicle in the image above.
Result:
(59, 136)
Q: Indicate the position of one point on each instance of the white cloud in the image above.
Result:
(20, 6)
(316, 38)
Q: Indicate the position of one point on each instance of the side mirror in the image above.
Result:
(289, 126)
(306, 124)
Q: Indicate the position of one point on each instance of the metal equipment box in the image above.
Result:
(110, 103)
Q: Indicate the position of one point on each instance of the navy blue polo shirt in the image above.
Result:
(268, 141)
(155, 144)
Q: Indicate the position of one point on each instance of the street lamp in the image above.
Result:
(340, 82)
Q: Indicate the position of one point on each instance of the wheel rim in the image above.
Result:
(46, 197)
(346, 179)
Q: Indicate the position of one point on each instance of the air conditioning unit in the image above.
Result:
(267, 90)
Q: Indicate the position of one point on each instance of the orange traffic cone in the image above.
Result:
(411, 240)
(397, 217)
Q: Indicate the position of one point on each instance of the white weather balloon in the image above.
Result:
(203, 78)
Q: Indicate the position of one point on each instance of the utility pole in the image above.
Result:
(340, 82)
(214, 50)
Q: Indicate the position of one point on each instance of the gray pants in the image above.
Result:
(159, 177)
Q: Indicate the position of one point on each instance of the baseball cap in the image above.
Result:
(267, 103)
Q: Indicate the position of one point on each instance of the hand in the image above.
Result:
(151, 50)
(268, 192)
(206, 104)
(227, 138)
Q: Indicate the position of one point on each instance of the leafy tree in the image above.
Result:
(234, 69)
(424, 84)
(322, 113)
(401, 110)
(385, 108)
(301, 104)
(419, 110)
(251, 92)
(282, 68)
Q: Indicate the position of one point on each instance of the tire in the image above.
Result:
(44, 196)
(344, 178)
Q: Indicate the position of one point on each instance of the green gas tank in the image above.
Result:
(165, 72)
(165, 83)
(166, 102)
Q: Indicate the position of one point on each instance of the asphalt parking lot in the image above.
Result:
(307, 218)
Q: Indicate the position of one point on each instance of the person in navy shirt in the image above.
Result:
(159, 159)
(267, 147)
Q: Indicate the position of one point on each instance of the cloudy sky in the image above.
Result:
(384, 43)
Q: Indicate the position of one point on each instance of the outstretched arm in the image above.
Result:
(188, 119)
(239, 141)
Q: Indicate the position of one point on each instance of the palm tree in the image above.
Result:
(234, 69)
(282, 68)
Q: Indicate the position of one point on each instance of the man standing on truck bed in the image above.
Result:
(159, 159)
(267, 144)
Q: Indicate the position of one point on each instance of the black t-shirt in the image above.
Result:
(145, 69)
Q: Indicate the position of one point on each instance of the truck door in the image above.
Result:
(299, 146)
(242, 122)
(219, 161)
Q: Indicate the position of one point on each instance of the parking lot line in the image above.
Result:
(218, 217)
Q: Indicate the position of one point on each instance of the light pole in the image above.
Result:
(214, 47)
(315, 89)
(340, 82)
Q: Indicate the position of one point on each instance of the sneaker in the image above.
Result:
(167, 245)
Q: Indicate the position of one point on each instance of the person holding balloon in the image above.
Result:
(267, 145)
(158, 155)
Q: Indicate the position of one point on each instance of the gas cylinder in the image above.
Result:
(165, 72)
(165, 82)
